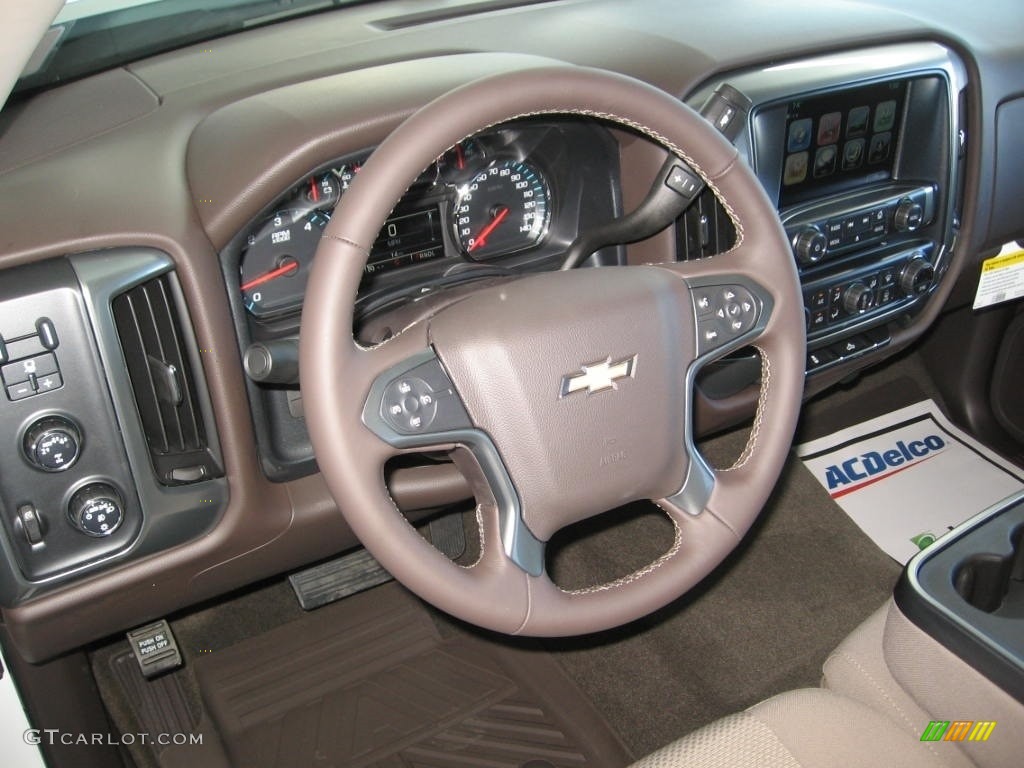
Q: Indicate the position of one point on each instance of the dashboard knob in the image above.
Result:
(916, 276)
(96, 509)
(858, 298)
(810, 245)
(908, 216)
(52, 443)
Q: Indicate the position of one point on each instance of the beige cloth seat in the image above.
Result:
(809, 728)
(881, 688)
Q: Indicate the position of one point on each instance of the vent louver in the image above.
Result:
(156, 357)
(704, 229)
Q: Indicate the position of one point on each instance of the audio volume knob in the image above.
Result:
(908, 216)
(810, 245)
(53, 443)
(96, 509)
(916, 276)
(858, 298)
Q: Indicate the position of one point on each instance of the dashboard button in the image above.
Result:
(850, 346)
(24, 348)
(41, 365)
(819, 358)
(47, 333)
(20, 391)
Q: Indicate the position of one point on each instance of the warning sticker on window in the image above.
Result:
(1002, 277)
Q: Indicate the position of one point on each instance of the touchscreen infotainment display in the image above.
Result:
(841, 139)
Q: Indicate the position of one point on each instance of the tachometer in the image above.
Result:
(502, 209)
(276, 262)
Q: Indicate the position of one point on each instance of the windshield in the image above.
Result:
(89, 36)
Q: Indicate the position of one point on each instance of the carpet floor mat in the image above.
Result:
(369, 681)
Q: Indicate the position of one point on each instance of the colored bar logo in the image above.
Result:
(958, 730)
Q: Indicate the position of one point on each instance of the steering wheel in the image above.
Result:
(568, 393)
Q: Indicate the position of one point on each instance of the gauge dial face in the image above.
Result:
(460, 162)
(501, 209)
(276, 263)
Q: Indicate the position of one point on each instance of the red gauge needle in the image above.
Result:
(314, 193)
(481, 239)
(273, 274)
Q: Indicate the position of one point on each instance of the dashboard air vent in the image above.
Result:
(156, 356)
(704, 229)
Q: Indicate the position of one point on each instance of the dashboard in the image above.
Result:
(875, 138)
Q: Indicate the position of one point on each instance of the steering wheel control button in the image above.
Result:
(724, 313)
(96, 509)
(409, 405)
(684, 182)
(53, 443)
(422, 401)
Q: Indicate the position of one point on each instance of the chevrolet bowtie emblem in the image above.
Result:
(598, 376)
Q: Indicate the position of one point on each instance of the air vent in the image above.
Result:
(704, 229)
(155, 354)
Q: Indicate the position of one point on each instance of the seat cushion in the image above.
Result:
(810, 728)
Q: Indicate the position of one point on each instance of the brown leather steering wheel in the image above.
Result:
(572, 391)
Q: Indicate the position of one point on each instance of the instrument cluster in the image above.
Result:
(489, 198)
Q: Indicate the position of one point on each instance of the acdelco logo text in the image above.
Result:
(873, 465)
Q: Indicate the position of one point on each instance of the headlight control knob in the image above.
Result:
(96, 509)
(52, 443)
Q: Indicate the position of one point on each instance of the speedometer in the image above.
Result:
(502, 209)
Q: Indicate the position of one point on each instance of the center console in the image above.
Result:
(862, 154)
(967, 591)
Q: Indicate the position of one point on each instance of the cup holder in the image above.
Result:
(994, 583)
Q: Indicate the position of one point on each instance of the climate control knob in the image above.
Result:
(908, 216)
(858, 298)
(810, 245)
(52, 443)
(96, 509)
(916, 276)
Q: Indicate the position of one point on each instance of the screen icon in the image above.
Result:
(853, 154)
(796, 168)
(880, 146)
(885, 116)
(799, 135)
(828, 128)
(857, 122)
(825, 161)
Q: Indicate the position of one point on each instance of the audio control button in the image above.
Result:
(810, 245)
